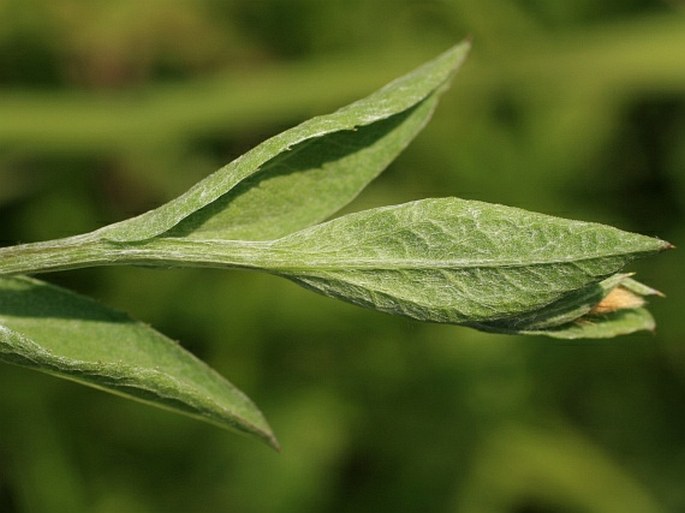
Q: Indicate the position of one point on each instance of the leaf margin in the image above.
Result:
(163, 218)
(171, 392)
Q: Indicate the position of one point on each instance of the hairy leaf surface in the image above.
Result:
(456, 261)
(56, 331)
(307, 173)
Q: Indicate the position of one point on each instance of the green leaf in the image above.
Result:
(305, 174)
(456, 261)
(56, 331)
(601, 310)
(568, 308)
(620, 322)
(447, 260)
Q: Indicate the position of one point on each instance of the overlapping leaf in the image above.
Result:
(447, 260)
(463, 262)
(606, 309)
(290, 181)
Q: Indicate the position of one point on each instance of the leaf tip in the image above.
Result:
(460, 51)
(272, 442)
(661, 245)
(645, 244)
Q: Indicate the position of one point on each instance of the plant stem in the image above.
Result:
(89, 251)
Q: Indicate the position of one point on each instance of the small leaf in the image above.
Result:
(304, 174)
(601, 310)
(620, 322)
(619, 312)
(456, 261)
(568, 308)
(50, 329)
(640, 288)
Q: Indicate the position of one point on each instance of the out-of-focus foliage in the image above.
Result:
(569, 108)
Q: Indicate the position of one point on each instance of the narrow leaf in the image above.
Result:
(640, 288)
(304, 174)
(455, 261)
(621, 322)
(53, 330)
(307, 184)
(601, 310)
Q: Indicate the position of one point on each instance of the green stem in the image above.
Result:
(54, 255)
(89, 251)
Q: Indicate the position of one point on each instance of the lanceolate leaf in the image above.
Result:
(53, 330)
(307, 184)
(304, 174)
(457, 261)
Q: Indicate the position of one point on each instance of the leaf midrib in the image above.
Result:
(265, 255)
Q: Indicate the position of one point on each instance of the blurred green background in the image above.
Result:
(570, 108)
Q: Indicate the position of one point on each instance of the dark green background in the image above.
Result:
(577, 108)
